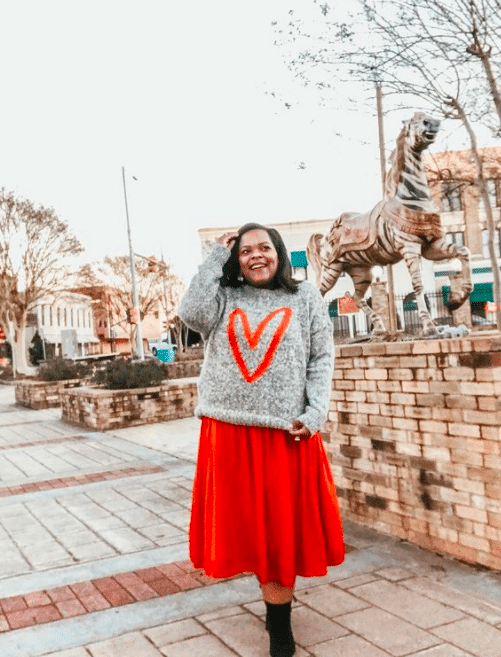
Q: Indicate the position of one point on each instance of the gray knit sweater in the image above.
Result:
(268, 353)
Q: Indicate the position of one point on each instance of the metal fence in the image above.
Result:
(407, 312)
(348, 327)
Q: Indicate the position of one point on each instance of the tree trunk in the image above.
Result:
(491, 226)
(20, 363)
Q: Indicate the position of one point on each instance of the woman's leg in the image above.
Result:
(276, 594)
(278, 601)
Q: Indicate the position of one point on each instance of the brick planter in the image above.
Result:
(414, 439)
(42, 394)
(102, 410)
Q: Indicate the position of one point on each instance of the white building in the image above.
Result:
(66, 321)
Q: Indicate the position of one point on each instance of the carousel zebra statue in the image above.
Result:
(405, 225)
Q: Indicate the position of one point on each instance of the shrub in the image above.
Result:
(60, 369)
(123, 374)
(36, 351)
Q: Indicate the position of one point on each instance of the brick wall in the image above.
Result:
(42, 394)
(103, 410)
(414, 439)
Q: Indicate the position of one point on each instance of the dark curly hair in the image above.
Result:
(283, 278)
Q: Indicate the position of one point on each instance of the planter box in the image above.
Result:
(42, 394)
(102, 410)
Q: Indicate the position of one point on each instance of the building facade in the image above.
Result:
(65, 322)
(111, 327)
(453, 183)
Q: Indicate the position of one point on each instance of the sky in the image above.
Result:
(190, 98)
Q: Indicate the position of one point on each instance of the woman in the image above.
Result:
(263, 499)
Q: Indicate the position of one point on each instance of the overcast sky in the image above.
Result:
(180, 94)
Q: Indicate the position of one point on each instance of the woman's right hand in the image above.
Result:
(227, 239)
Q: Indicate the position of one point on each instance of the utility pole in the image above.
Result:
(135, 299)
(382, 160)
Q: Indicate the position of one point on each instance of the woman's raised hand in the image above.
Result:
(227, 239)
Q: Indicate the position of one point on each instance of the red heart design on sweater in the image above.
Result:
(253, 339)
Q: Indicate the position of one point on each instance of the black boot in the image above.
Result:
(278, 624)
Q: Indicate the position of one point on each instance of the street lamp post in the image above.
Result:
(135, 299)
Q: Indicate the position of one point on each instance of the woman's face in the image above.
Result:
(258, 258)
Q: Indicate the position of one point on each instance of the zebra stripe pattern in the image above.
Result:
(407, 190)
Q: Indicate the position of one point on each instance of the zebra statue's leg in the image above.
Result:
(441, 250)
(362, 278)
(411, 253)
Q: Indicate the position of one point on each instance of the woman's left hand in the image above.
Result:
(299, 430)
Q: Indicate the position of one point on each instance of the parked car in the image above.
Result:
(163, 350)
(447, 331)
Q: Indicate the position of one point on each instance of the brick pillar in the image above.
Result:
(463, 314)
(380, 303)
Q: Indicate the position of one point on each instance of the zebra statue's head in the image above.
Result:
(405, 160)
(420, 131)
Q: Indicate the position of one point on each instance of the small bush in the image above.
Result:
(36, 350)
(60, 369)
(123, 374)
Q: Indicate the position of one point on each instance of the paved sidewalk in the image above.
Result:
(94, 563)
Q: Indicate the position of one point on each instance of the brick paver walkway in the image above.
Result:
(94, 563)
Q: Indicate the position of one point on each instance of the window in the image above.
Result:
(451, 197)
(492, 193)
(65, 317)
(50, 315)
(455, 238)
(71, 316)
(58, 316)
(485, 243)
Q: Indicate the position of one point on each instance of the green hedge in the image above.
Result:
(122, 374)
(60, 369)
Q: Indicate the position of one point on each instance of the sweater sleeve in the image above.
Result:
(203, 303)
(320, 365)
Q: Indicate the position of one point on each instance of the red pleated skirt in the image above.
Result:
(263, 503)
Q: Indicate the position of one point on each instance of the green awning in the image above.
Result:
(333, 308)
(298, 259)
(481, 292)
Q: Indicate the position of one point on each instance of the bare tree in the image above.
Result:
(180, 331)
(35, 246)
(172, 288)
(156, 284)
(446, 55)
